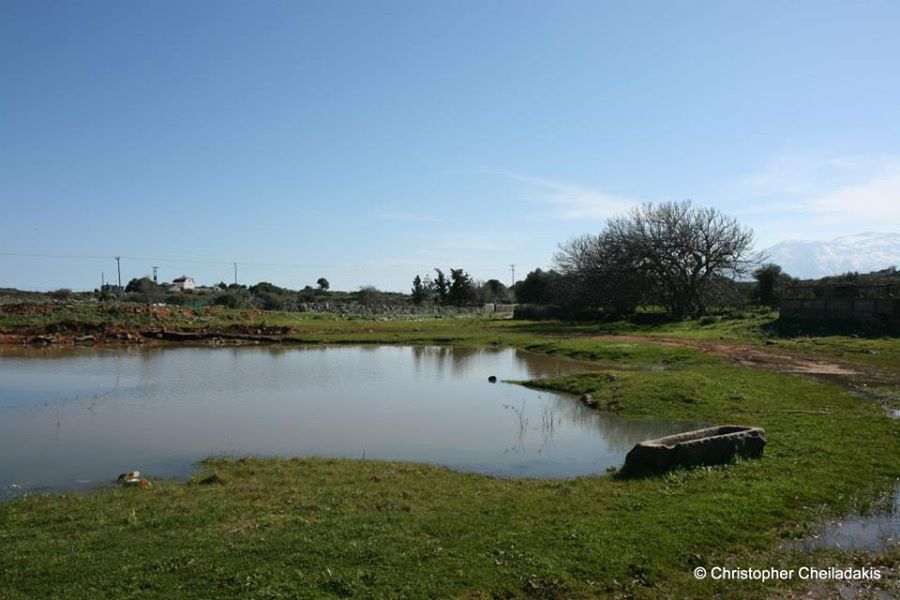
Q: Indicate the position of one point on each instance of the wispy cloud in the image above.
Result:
(771, 207)
(572, 201)
(409, 217)
(796, 173)
(858, 191)
(875, 202)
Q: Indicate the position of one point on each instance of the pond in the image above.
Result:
(74, 418)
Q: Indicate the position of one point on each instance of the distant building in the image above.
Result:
(180, 284)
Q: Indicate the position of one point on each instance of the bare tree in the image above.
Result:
(670, 250)
(597, 271)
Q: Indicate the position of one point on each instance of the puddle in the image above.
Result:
(870, 532)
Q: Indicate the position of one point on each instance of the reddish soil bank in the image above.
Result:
(746, 355)
(86, 336)
(167, 323)
(856, 377)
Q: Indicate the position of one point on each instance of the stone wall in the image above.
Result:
(879, 311)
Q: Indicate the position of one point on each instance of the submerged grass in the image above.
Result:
(314, 528)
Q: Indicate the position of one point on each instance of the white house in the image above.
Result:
(182, 283)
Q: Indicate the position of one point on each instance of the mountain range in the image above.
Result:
(863, 253)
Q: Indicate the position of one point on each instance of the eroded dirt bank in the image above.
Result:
(747, 355)
(855, 376)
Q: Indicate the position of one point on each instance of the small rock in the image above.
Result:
(771, 342)
(124, 477)
(492, 379)
(588, 400)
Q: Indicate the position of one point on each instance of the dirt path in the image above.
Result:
(856, 377)
(749, 356)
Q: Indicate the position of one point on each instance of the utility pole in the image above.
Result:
(119, 271)
(512, 268)
(235, 273)
(154, 274)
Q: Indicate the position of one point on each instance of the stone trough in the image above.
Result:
(710, 446)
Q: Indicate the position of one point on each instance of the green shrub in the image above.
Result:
(229, 300)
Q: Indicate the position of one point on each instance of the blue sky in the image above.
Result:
(370, 141)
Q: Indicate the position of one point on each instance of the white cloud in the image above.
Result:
(795, 174)
(819, 196)
(573, 202)
(875, 203)
(771, 207)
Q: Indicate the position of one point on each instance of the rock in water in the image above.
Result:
(129, 475)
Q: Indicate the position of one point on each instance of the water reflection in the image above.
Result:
(870, 532)
(86, 414)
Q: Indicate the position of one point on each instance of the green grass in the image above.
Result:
(312, 528)
(751, 326)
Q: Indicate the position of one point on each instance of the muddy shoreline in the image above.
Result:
(119, 336)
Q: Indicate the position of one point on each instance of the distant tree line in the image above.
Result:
(459, 289)
(262, 295)
(676, 256)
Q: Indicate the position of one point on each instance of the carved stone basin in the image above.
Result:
(710, 446)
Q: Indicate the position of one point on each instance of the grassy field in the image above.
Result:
(752, 326)
(313, 528)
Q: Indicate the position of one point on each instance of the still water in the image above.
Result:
(875, 531)
(75, 418)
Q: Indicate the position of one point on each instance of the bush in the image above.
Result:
(61, 294)
(270, 301)
(369, 295)
(176, 299)
(229, 300)
(538, 312)
(307, 294)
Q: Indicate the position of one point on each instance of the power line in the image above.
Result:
(30, 255)
(423, 266)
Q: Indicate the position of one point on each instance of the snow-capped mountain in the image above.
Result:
(864, 252)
